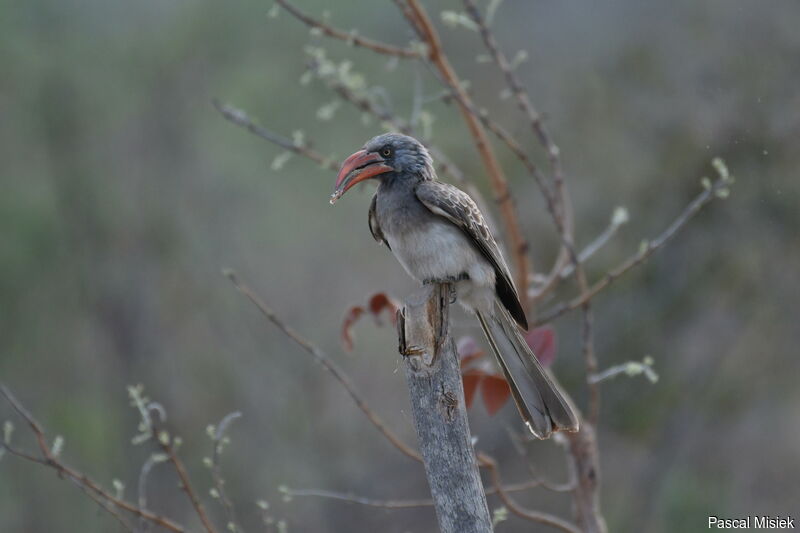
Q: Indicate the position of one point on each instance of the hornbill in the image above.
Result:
(438, 234)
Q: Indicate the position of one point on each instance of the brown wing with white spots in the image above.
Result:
(456, 206)
(374, 227)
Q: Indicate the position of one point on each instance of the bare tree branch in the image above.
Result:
(49, 460)
(436, 391)
(619, 218)
(326, 362)
(528, 514)
(383, 114)
(523, 101)
(645, 251)
(240, 118)
(350, 37)
(186, 485)
(105, 505)
(360, 500)
(216, 470)
(402, 504)
(563, 213)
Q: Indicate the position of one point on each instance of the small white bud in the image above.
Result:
(119, 488)
(499, 515)
(721, 168)
(58, 446)
(620, 216)
(278, 163)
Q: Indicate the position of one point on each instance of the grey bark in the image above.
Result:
(433, 375)
(585, 464)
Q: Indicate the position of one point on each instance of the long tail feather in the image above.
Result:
(541, 404)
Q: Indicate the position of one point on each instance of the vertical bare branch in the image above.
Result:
(433, 374)
(584, 456)
(563, 213)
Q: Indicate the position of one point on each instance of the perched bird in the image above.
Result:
(438, 234)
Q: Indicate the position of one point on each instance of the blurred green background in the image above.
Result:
(124, 194)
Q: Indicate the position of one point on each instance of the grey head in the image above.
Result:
(387, 156)
(403, 153)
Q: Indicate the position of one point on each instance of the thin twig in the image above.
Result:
(361, 500)
(49, 460)
(521, 96)
(617, 220)
(240, 118)
(528, 514)
(518, 441)
(416, 101)
(216, 470)
(587, 347)
(636, 259)
(186, 484)
(106, 506)
(148, 465)
(367, 105)
(563, 212)
(349, 37)
(326, 362)
(400, 504)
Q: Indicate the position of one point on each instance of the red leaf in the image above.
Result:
(468, 350)
(376, 305)
(471, 379)
(543, 343)
(380, 301)
(351, 318)
(495, 392)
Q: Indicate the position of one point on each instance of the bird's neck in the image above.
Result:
(400, 180)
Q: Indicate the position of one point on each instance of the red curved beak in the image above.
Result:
(358, 167)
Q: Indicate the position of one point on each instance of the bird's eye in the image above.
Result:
(386, 152)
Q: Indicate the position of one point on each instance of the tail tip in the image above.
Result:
(546, 433)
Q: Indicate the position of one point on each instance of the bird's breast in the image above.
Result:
(437, 250)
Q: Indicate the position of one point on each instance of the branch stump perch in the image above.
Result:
(433, 375)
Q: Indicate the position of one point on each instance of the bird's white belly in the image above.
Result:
(439, 251)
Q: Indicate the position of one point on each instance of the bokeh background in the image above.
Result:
(124, 194)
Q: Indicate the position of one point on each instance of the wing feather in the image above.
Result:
(456, 206)
(374, 227)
